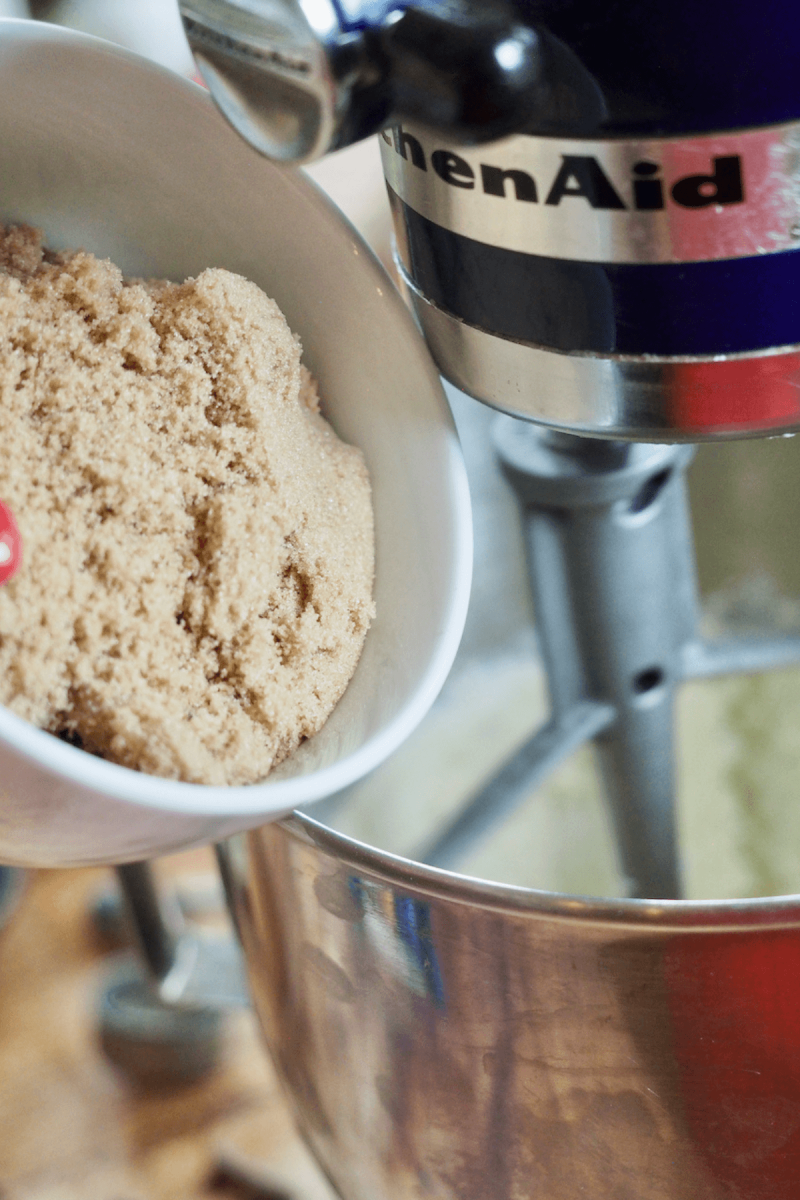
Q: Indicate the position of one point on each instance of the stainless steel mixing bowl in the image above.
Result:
(449, 1038)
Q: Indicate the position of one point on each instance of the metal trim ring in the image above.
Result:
(615, 396)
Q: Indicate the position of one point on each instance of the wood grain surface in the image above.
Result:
(72, 1128)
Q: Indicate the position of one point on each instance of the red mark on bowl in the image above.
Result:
(10, 545)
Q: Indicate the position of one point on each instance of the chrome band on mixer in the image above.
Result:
(649, 260)
(618, 397)
(622, 200)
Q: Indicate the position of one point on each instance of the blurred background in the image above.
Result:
(76, 1122)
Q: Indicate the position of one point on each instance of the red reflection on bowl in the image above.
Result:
(10, 545)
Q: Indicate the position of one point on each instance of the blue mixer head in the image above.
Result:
(597, 207)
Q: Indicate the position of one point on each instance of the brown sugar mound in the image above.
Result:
(197, 571)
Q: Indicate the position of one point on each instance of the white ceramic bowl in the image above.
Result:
(106, 151)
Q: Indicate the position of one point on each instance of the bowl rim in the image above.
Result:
(435, 883)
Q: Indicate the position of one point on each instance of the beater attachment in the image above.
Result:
(612, 571)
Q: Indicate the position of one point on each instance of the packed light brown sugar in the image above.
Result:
(197, 576)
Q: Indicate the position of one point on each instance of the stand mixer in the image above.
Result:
(598, 223)
(622, 269)
(596, 217)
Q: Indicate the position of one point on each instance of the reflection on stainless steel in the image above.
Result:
(297, 78)
(450, 1038)
(643, 399)
(266, 68)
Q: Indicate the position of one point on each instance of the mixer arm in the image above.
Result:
(544, 752)
(298, 78)
(739, 656)
(188, 969)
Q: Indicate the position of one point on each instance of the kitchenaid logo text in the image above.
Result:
(581, 176)
(608, 200)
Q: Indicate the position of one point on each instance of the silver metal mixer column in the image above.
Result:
(612, 571)
(614, 592)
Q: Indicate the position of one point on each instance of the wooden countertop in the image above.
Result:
(71, 1128)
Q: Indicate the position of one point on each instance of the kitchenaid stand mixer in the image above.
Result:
(625, 269)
